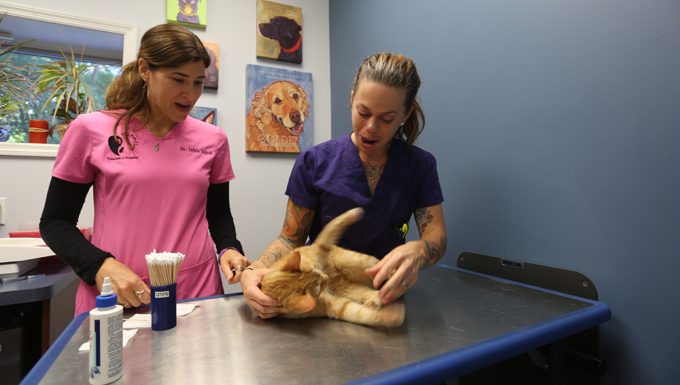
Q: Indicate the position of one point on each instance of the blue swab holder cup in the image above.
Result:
(164, 307)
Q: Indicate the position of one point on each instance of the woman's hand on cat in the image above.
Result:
(397, 271)
(262, 304)
(232, 263)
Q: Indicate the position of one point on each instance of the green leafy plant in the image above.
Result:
(14, 81)
(62, 80)
(13, 87)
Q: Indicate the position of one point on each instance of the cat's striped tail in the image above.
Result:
(331, 233)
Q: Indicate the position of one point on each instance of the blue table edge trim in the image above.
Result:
(36, 374)
(454, 364)
(39, 370)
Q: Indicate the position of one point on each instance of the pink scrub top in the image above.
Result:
(150, 197)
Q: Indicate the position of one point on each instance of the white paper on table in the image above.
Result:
(127, 334)
(185, 308)
(139, 321)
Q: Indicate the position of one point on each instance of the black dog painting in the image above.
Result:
(279, 32)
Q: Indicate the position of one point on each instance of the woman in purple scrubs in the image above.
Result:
(376, 167)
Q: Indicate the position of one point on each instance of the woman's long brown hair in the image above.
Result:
(165, 45)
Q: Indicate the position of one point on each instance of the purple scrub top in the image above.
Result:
(329, 179)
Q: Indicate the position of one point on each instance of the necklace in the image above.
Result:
(157, 135)
(373, 174)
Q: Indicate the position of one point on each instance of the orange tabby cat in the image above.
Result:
(323, 279)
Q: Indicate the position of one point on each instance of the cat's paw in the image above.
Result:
(394, 314)
(372, 299)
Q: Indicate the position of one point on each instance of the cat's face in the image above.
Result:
(295, 289)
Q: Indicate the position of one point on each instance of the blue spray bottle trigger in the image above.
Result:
(108, 297)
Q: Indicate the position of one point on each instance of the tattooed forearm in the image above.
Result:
(269, 256)
(297, 224)
(430, 223)
(423, 218)
(276, 250)
(435, 250)
(289, 244)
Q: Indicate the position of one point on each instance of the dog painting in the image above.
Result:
(206, 114)
(278, 115)
(190, 13)
(212, 73)
(288, 34)
(279, 32)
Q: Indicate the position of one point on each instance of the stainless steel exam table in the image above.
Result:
(456, 322)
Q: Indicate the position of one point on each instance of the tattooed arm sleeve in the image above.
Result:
(296, 226)
(430, 221)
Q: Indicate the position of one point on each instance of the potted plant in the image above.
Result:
(14, 84)
(62, 80)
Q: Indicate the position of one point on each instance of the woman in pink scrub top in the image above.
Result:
(376, 167)
(160, 180)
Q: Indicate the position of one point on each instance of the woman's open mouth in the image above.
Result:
(184, 108)
(368, 141)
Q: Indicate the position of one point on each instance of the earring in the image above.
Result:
(402, 124)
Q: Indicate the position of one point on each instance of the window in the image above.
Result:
(106, 45)
(94, 82)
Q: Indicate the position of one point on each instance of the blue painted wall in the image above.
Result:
(556, 125)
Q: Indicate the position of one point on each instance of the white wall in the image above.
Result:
(257, 193)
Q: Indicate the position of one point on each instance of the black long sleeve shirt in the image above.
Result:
(64, 202)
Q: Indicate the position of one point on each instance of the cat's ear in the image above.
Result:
(292, 262)
(302, 303)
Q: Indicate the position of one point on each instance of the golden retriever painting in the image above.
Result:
(279, 113)
(276, 118)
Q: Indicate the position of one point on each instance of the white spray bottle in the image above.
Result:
(106, 337)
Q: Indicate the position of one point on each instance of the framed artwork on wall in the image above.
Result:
(213, 72)
(189, 13)
(206, 114)
(279, 32)
(278, 110)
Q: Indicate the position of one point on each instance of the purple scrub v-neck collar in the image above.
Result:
(358, 168)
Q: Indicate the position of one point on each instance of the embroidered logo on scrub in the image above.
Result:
(202, 151)
(116, 144)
